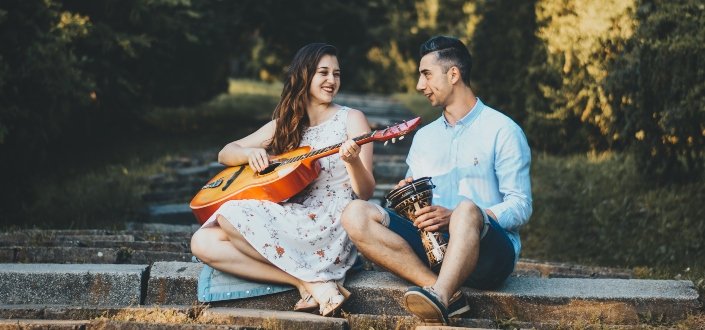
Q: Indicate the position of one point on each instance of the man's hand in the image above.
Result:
(433, 218)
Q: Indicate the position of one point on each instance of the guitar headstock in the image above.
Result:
(396, 131)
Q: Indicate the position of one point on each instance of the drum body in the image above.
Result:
(406, 200)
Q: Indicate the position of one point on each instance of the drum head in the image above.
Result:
(419, 185)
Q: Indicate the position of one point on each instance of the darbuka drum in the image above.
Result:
(406, 201)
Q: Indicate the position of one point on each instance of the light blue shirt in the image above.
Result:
(484, 157)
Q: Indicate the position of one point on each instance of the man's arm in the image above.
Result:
(512, 164)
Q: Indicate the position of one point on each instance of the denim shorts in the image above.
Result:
(496, 259)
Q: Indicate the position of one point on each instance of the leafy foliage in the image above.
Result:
(659, 86)
(579, 39)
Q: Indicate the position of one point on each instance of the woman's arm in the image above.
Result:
(359, 163)
(250, 149)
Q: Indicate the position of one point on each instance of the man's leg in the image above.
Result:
(461, 256)
(363, 222)
(436, 303)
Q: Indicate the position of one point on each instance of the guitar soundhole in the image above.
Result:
(269, 168)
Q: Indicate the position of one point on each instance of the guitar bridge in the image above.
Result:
(213, 184)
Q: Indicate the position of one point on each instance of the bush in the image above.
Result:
(660, 87)
(571, 110)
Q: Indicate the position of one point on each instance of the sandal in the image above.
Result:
(331, 296)
(306, 303)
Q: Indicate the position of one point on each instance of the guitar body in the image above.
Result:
(287, 174)
(242, 182)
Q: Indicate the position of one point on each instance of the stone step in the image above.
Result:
(83, 255)
(137, 232)
(44, 324)
(200, 317)
(81, 292)
(182, 247)
(175, 213)
(161, 228)
(172, 196)
(527, 299)
(86, 284)
(187, 317)
(389, 172)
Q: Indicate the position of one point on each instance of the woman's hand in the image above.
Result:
(257, 158)
(349, 151)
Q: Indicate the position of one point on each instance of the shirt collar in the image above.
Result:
(469, 117)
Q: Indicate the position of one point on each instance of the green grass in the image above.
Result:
(247, 103)
(598, 210)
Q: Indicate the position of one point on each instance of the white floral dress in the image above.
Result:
(303, 236)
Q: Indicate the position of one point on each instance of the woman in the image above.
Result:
(300, 242)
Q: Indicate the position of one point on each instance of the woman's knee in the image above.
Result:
(202, 242)
(199, 242)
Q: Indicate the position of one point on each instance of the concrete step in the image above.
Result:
(87, 284)
(88, 255)
(135, 232)
(174, 213)
(140, 245)
(79, 292)
(44, 324)
(204, 317)
(161, 228)
(527, 299)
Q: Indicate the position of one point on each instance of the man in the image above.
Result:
(479, 160)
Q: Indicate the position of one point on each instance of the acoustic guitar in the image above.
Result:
(286, 175)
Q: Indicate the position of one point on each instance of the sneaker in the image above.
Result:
(458, 304)
(424, 303)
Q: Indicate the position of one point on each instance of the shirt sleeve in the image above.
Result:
(512, 163)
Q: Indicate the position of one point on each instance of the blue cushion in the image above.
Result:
(214, 285)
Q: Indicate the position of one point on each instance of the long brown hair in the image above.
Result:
(290, 114)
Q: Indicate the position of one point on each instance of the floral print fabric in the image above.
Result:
(303, 236)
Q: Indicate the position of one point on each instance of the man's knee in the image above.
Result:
(472, 214)
(355, 217)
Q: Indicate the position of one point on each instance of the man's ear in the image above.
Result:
(453, 74)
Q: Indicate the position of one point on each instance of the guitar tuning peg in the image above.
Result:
(394, 140)
(385, 142)
(401, 138)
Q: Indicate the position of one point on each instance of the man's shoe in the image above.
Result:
(424, 303)
(458, 304)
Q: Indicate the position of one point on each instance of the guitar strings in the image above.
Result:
(326, 149)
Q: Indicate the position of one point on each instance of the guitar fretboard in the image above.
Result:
(323, 150)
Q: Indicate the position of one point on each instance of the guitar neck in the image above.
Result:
(327, 151)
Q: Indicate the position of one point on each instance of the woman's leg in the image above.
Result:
(224, 249)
